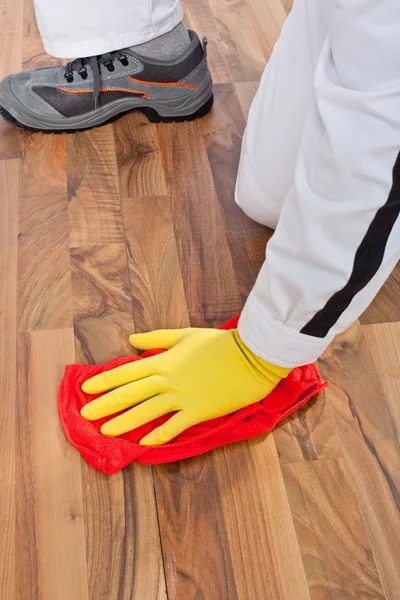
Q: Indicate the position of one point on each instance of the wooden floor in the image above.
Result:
(132, 227)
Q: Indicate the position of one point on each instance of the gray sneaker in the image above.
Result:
(89, 92)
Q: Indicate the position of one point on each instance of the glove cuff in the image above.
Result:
(261, 364)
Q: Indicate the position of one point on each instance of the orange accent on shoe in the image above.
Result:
(171, 84)
(143, 94)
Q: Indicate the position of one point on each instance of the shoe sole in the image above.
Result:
(150, 113)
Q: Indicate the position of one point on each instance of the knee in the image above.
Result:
(247, 200)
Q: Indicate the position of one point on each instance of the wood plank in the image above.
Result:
(210, 285)
(268, 18)
(223, 130)
(11, 35)
(245, 91)
(308, 434)
(8, 296)
(336, 553)
(123, 545)
(198, 16)
(139, 159)
(35, 57)
(155, 274)
(43, 165)
(385, 307)
(196, 555)
(362, 395)
(30, 28)
(9, 141)
(93, 189)
(50, 540)
(237, 28)
(101, 303)
(384, 342)
(262, 541)
(44, 279)
(10, 62)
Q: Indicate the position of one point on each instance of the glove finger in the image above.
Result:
(144, 413)
(122, 375)
(161, 338)
(122, 397)
(165, 433)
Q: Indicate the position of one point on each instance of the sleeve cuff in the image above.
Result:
(274, 342)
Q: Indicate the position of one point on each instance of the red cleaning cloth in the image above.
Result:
(109, 454)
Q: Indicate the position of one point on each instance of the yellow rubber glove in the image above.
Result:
(206, 373)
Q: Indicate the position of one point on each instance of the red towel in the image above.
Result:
(109, 454)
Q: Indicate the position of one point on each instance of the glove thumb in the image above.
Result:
(161, 338)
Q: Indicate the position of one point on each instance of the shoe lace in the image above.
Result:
(79, 66)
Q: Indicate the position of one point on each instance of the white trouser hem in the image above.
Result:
(274, 342)
(71, 49)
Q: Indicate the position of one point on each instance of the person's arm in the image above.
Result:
(338, 236)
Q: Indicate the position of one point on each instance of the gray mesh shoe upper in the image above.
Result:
(94, 86)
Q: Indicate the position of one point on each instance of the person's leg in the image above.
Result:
(278, 113)
(71, 28)
(338, 235)
(136, 56)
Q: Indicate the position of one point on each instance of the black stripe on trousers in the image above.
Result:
(367, 260)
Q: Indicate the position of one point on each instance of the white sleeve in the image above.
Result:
(338, 235)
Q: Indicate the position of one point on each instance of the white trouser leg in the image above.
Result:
(75, 28)
(338, 235)
(278, 113)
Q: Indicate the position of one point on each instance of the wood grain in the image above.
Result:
(236, 26)
(8, 298)
(9, 141)
(101, 303)
(247, 239)
(44, 276)
(93, 190)
(382, 340)
(30, 28)
(35, 57)
(268, 18)
(50, 544)
(10, 59)
(308, 434)
(123, 544)
(43, 165)
(206, 264)
(336, 553)
(385, 307)
(262, 541)
(155, 274)
(139, 159)
(198, 16)
(197, 559)
(11, 15)
(368, 427)
(246, 90)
